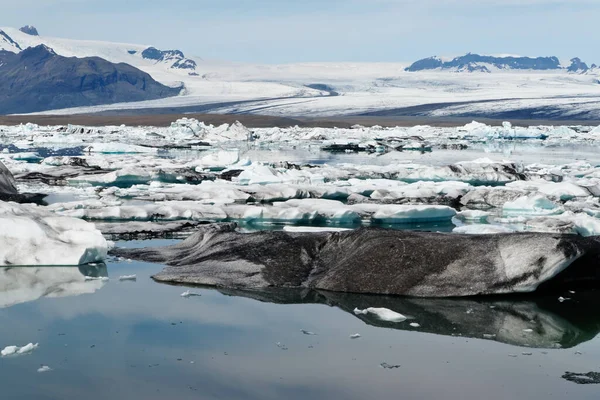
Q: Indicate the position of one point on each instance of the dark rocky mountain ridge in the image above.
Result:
(38, 79)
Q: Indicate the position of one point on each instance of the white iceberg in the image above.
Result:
(534, 205)
(16, 350)
(383, 314)
(30, 235)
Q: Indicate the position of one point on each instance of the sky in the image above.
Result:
(286, 31)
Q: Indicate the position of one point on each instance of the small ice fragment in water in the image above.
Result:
(383, 314)
(527, 330)
(187, 294)
(489, 335)
(12, 350)
(415, 325)
(470, 311)
(281, 346)
(527, 354)
(388, 366)
(355, 336)
(44, 368)
(128, 278)
(571, 292)
(512, 355)
(578, 353)
(307, 332)
(563, 299)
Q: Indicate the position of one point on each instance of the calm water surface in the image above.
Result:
(142, 340)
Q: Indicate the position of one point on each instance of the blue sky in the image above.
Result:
(281, 31)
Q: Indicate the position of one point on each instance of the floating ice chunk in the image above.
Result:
(44, 368)
(117, 148)
(483, 229)
(308, 332)
(355, 336)
(394, 214)
(473, 215)
(219, 159)
(383, 314)
(561, 191)
(585, 225)
(33, 236)
(527, 330)
(415, 325)
(531, 205)
(263, 175)
(128, 278)
(16, 350)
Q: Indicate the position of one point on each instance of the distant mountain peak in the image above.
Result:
(30, 30)
(577, 66)
(175, 58)
(39, 52)
(472, 62)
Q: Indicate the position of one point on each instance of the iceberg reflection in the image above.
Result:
(24, 284)
(537, 322)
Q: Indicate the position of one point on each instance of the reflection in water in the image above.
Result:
(583, 379)
(24, 284)
(541, 322)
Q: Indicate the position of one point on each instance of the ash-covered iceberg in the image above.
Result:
(377, 261)
(7, 182)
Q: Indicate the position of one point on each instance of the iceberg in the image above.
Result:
(16, 350)
(383, 314)
(30, 235)
(375, 261)
(533, 205)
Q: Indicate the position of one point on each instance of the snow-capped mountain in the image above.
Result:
(480, 63)
(517, 87)
(140, 56)
(38, 79)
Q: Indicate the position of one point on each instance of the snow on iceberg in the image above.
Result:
(32, 236)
